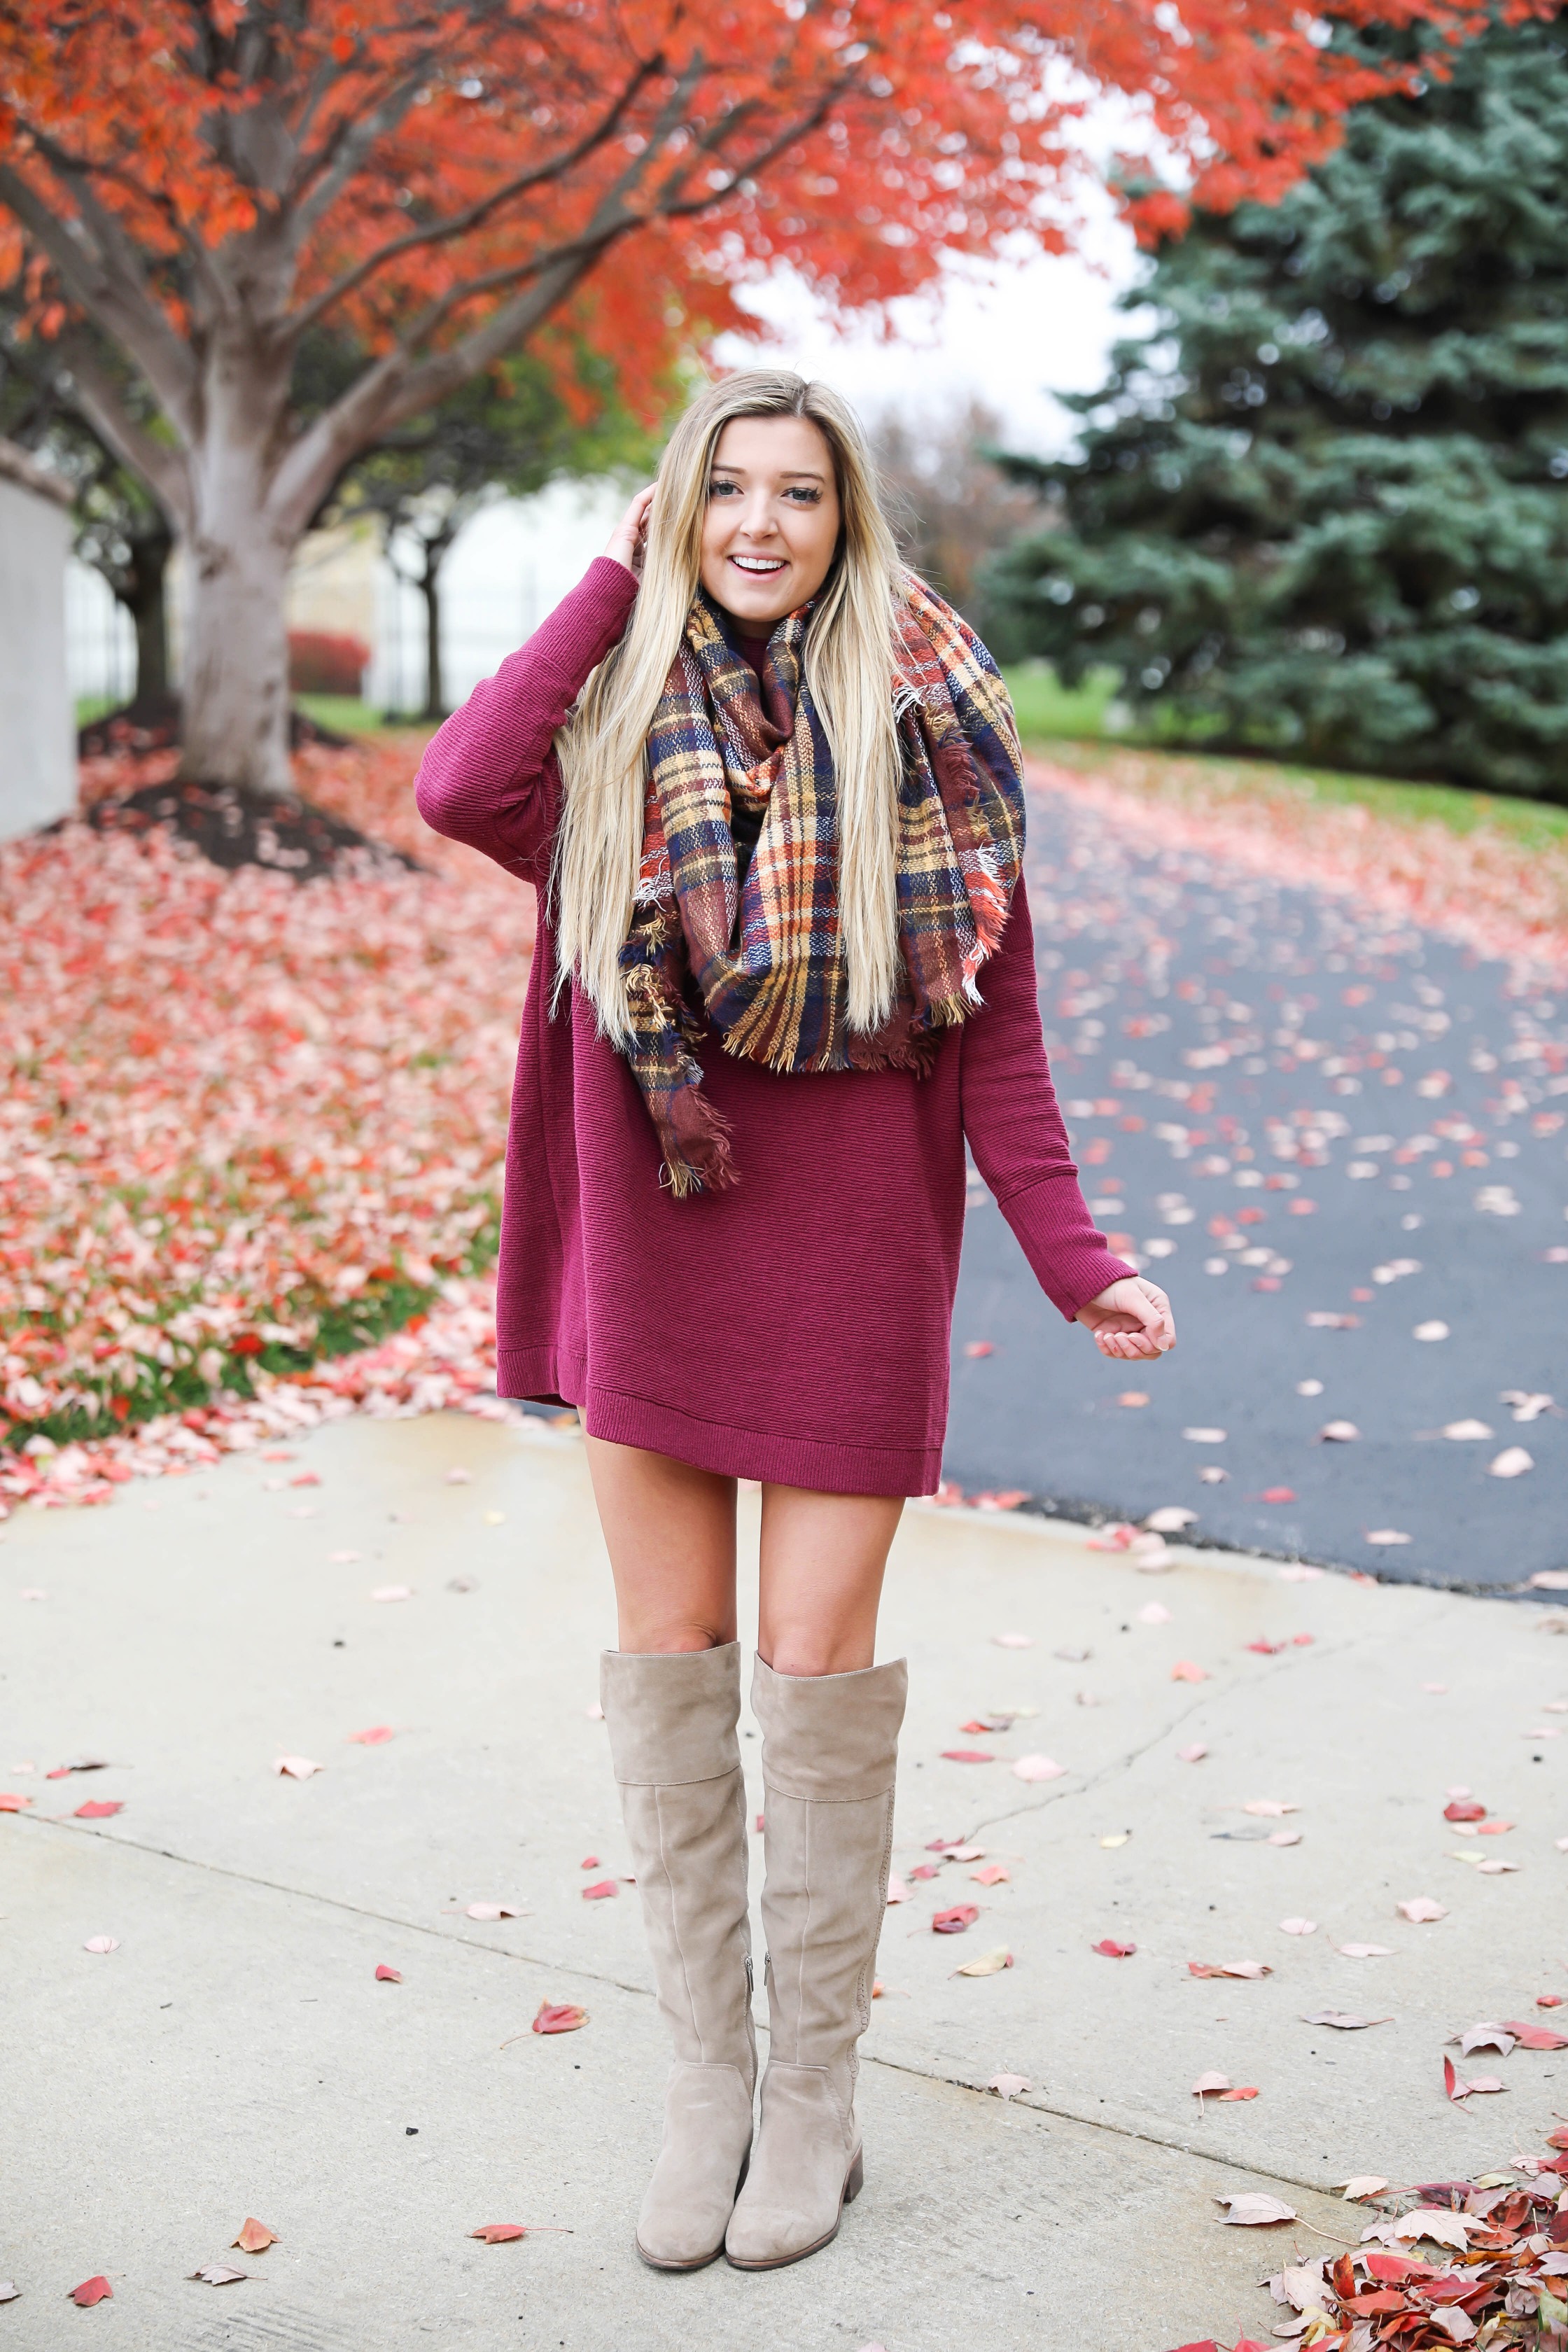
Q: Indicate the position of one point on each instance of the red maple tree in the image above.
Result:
(194, 188)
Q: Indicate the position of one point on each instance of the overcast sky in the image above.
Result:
(1010, 335)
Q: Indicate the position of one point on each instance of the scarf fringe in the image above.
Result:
(696, 1146)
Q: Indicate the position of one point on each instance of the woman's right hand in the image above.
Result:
(629, 536)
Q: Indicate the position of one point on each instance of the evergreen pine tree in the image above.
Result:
(1321, 509)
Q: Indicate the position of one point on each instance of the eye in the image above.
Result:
(804, 495)
(719, 488)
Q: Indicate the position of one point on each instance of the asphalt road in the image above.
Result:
(1338, 1140)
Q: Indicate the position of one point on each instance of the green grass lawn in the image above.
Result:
(1047, 710)
(1069, 725)
(345, 714)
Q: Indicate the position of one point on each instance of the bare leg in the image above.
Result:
(670, 1532)
(822, 1561)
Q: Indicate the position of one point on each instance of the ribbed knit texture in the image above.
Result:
(797, 1328)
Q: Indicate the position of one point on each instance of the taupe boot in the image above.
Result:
(829, 1750)
(672, 1737)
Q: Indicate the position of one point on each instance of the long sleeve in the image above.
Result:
(1013, 1128)
(483, 776)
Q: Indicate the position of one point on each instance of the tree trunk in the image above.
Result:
(236, 683)
(144, 598)
(436, 550)
(430, 589)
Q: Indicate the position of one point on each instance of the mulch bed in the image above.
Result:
(232, 828)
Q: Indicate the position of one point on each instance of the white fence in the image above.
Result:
(511, 567)
(100, 642)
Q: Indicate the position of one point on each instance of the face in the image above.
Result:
(771, 522)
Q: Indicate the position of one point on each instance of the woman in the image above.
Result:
(768, 786)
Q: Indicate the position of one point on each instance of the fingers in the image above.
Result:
(1158, 1320)
(627, 538)
(1124, 1346)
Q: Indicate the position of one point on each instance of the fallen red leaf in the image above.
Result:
(1114, 1951)
(601, 1888)
(92, 2290)
(1277, 1495)
(1185, 1671)
(559, 2017)
(1248, 2091)
(1548, 2001)
(11, 1803)
(1535, 2037)
(1464, 1809)
(376, 1736)
(979, 1347)
(968, 1755)
(98, 1808)
(589, 1862)
(384, 1975)
(254, 2237)
(955, 1922)
(499, 2233)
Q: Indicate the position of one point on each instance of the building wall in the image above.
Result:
(38, 751)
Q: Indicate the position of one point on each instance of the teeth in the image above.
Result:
(758, 563)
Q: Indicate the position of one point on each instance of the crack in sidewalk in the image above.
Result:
(1117, 1767)
(1147, 2129)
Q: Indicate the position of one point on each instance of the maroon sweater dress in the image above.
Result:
(795, 1327)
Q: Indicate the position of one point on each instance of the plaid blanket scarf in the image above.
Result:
(765, 964)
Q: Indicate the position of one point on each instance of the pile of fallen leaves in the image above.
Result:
(1501, 896)
(1479, 2262)
(248, 1125)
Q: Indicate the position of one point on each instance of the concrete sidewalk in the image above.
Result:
(197, 1630)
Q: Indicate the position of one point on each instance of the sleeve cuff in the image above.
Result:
(1071, 1261)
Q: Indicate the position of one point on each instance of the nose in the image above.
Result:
(757, 518)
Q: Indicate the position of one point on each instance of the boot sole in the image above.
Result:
(695, 2262)
(854, 2180)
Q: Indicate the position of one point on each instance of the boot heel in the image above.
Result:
(856, 2181)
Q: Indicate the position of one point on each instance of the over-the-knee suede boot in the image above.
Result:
(829, 1750)
(671, 1722)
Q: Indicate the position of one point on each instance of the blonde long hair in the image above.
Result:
(849, 669)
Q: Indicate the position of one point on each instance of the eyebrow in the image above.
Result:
(790, 473)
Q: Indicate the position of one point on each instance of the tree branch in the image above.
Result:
(397, 387)
(115, 295)
(99, 401)
(757, 164)
(345, 150)
(457, 223)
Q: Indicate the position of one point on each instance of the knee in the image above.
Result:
(810, 1652)
(671, 1638)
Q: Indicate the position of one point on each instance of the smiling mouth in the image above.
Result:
(760, 566)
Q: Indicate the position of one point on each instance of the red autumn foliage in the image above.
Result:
(322, 662)
(443, 188)
(955, 1922)
(559, 2017)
